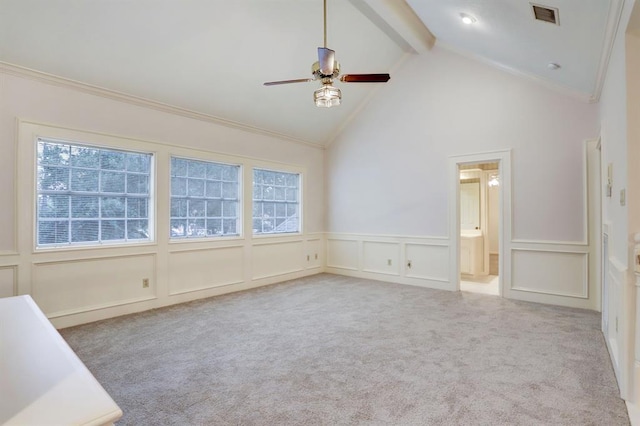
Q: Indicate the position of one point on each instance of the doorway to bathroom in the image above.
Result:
(480, 222)
(479, 205)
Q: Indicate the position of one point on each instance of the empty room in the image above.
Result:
(319, 212)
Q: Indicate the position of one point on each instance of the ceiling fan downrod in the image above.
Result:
(325, 24)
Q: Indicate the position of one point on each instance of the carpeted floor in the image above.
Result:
(332, 350)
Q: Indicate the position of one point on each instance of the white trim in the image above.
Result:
(203, 154)
(217, 247)
(279, 274)
(611, 30)
(550, 246)
(208, 287)
(91, 258)
(585, 267)
(14, 268)
(9, 262)
(503, 157)
(275, 243)
(436, 283)
(343, 268)
(16, 147)
(440, 241)
(99, 307)
(19, 71)
(634, 413)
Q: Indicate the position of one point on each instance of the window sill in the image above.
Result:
(89, 247)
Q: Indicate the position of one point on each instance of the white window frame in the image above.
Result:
(238, 200)
(100, 194)
(299, 201)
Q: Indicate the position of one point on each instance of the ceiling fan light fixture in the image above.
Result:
(327, 96)
(467, 19)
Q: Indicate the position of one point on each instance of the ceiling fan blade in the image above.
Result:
(326, 58)
(299, 80)
(365, 78)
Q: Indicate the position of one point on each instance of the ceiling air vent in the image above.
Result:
(545, 13)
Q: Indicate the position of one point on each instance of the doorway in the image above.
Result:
(472, 266)
(479, 218)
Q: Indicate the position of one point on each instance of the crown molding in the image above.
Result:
(611, 30)
(577, 95)
(19, 71)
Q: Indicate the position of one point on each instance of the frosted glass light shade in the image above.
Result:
(327, 96)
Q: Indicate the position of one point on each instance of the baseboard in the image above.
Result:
(634, 413)
(436, 284)
(119, 310)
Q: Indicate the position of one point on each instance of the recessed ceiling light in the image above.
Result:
(553, 66)
(467, 19)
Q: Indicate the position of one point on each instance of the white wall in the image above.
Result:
(83, 285)
(387, 172)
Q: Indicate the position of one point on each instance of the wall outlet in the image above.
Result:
(388, 262)
(316, 256)
(623, 197)
(308, 258)
(145, 283)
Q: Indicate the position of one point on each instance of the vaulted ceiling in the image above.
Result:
(212, 56)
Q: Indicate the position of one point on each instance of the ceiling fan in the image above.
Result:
(325, 70)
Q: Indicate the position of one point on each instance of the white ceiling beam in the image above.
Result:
(396, 19)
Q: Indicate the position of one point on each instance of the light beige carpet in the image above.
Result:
(332, 350)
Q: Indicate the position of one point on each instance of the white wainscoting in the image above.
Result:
(343, 254)
(548, 272)
(621, 299)
(275, 258)
(381, 257)
(315, 253)
(428, 262)
(552, 272)
(9, 261)
(204, 268)
(420, 261)
(75, 285)
(538, 271)
(70, 286)
(8, 280)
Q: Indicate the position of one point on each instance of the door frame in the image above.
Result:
(503, 158)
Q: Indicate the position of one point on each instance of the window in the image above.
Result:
(90, 195)
(276, 206)
(204, 199)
